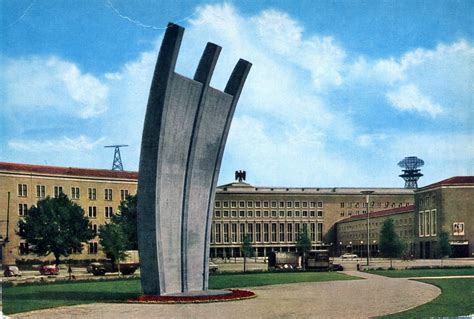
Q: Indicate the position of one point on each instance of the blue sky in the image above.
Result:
(339, 92)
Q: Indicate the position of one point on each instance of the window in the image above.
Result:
(289, 213)
(274, 213)
(433, 222)
(22, 190)
(93, 248)
(320, 232)
(24, 248)
(289, 232)
(225, 204)
(93, 227)
(274, 229)
(218, 233)
(274, 204)
(218, 204)
(258, 213)
(313, 232)
(312, 213)
(241, 204)
(258, 204)
(282, 213)
(266, 204)
(297, 204)
(22, 209)
(250, 204)
(305, 213)
(92, 212)
(342, 204)
(320, 213)
(305, 204)
(282, 232)
(250, 231)
(226, 233)
(57, 191)
(233, 204)
(249, 213)
(258, 232)
(123, 194)
(108, 194)
(265, 213)
(265, 232)
(312, 204)
(234, 232)
(289, 204)
(234, 213)
(109, 212)
(427, 223)
(297, 231)
(242, 213)
(282, 204)
(421, 229)
(92, 193)
(40, 191)
(242, 232)
(320, 204)
(226, 213)
(217, 213)
(297, 213)
(75, 193)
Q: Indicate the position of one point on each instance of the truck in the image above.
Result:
(316, 260)
(280, 260)
(127, 266)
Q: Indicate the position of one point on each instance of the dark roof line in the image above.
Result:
(69, 171)
(380, 213)
(456, 180)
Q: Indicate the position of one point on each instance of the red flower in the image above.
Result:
(237, 294)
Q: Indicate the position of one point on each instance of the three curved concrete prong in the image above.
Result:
(184, 134)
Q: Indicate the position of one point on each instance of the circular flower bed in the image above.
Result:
(236, 294)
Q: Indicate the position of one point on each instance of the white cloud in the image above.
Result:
(52, 83)
(64, 144)
(409, 98)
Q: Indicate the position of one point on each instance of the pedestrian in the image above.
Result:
(69, 271)
(358, 266)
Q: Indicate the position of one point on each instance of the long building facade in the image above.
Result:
(274, 216)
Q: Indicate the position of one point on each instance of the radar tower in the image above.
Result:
(411, 171)
(117, 164)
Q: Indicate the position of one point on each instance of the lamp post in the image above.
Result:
(367, 200)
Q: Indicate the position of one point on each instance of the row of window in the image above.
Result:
(267, 204)
(427, 223)
(266, 213)
(372, 204)
(264, 232)
(398, 222)
(75, 192)
(108, 212)
(24, 249)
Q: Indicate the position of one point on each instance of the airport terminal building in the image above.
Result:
(272, 216)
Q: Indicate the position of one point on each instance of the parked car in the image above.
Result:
(11, 271)
(349, 256)
(337, 267)
(47, 270)
(213, 268)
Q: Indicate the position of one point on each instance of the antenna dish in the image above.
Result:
(411, 171)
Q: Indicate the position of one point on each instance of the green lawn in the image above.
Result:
(39, 296)
(456, 299)
(403, 273)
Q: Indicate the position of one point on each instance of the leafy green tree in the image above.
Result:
(303, 244)
(127, 218)
(390, 244)
(246, 249)
(113, 241)
(444, 248)
(55, 226)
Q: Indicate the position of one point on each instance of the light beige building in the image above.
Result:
(445, 206)
(98, 192)
(273, 216)
(352, 232)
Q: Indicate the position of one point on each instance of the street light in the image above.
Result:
(367, 200)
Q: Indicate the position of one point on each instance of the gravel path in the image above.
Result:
(373, 296)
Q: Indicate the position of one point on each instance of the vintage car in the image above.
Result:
(11, 271)
(48, 270)
(349, 256)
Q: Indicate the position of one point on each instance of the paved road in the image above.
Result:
(372, 296)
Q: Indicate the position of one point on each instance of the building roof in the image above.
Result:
(380, 213)
(67, 171)
(245, 188)
(452, 181)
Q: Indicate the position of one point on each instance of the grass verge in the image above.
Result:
(456, 299)
(23, 298)
(435, 272)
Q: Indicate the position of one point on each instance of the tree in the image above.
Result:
(303, 244)
(390, 244)
(114, 242)
(127, 218)
(444, 248)
(55, 226)
(246, 249)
